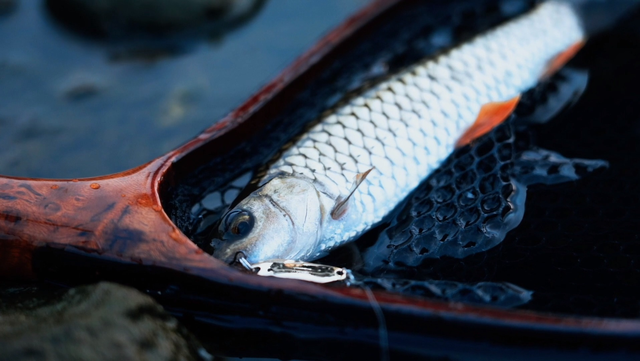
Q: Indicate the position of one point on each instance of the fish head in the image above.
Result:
(280, 220)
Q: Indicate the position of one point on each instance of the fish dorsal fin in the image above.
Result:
(561, 59)
(490, 116)
(342, 203)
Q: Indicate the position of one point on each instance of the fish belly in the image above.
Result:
(405, 126)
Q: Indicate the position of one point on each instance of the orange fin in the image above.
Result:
(491, 115)
(561, 59)
(342, 203)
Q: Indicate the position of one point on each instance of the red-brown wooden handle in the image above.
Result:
(117, 216)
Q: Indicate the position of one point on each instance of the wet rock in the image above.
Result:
(80, 86)
(118, 17)
(99, 322)
(7, 6)
(181, 101)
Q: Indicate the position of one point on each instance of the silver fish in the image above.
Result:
(363, 157)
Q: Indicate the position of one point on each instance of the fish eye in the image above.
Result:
(236, 224)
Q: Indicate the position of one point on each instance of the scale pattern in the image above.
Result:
(407, 125)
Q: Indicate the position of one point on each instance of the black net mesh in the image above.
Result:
(487, 293)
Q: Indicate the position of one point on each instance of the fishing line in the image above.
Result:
(382, 324)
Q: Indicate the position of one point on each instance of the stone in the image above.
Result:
(118, 17)
(104, 321)
(7, 6)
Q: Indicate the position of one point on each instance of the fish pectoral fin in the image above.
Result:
(491, 115)
(561, 59)
(342, 203)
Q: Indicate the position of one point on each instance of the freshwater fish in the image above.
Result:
(364, 156)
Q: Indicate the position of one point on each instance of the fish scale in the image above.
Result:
(407, 125)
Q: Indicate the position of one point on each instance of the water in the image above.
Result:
(72, 106)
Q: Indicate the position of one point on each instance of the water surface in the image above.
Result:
(72, 106)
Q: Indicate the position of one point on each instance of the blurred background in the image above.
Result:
(91, 87)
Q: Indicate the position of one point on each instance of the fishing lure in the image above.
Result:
(364, 156)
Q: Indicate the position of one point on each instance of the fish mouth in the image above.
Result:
(240, 260)
(233, 258)
(227, 253)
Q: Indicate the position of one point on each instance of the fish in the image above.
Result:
(361, 158)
